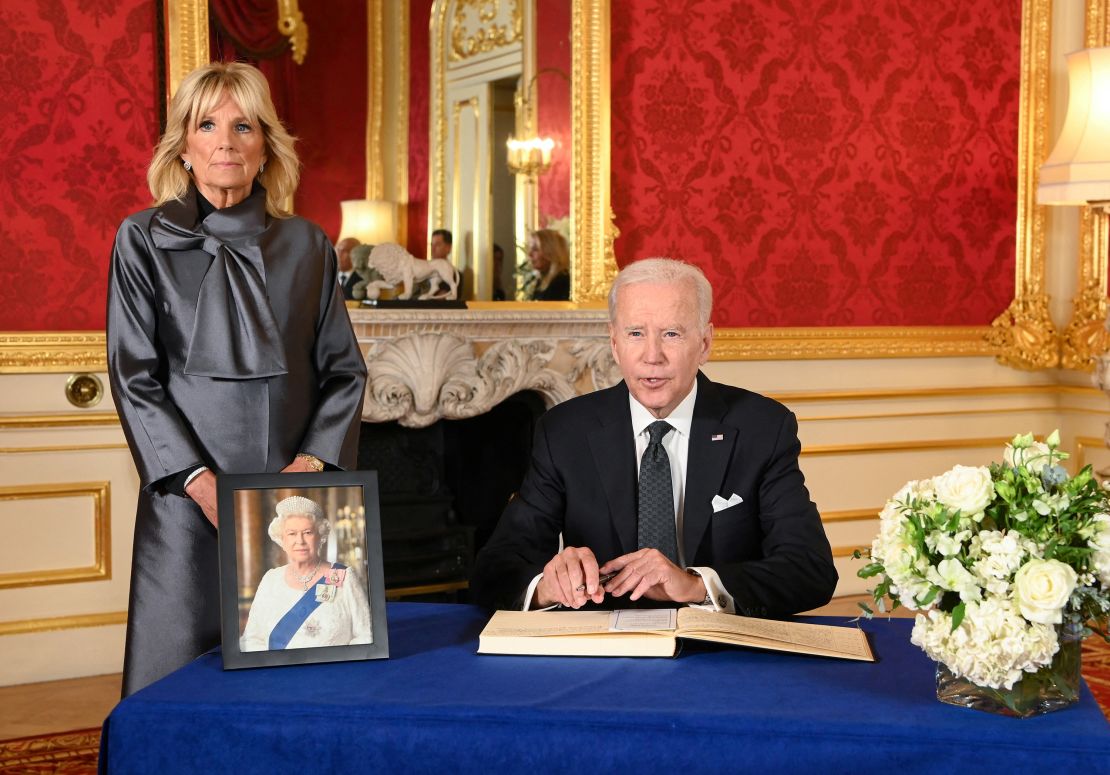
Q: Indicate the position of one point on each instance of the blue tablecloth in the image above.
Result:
(436, 706)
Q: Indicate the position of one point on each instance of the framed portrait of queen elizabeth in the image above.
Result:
(300, 568)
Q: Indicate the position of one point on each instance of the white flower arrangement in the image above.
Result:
(995, 559)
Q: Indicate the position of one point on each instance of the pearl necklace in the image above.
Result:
(308, 577)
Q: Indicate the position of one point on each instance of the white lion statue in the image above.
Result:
(398, 267)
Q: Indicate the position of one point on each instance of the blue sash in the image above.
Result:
(288, 625)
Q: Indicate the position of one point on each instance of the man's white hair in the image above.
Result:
(298, 506)
(664, 270)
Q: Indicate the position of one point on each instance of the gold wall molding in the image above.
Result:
(47, 624)
(484, 33)
(18, 421)
(1086, 337)
(1082, 444)
(850, 515)
(752, 344)
(1024, 336)
(101, 568)
(919, 445)
(592, 225)
(401, 30)
(47, 448)
(951, 413)
(375, 108)
(34, 352)
(186, 40)
(900, 393)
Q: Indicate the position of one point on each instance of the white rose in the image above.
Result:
(1100, 542)
(966, 488)
(1042, 589)
(1034, 457)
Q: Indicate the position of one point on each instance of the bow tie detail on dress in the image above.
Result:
(235, 334)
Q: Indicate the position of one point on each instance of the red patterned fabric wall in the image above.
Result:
(79, 90)
(329, 115)
(826, 164)
(554, 114)
(420, 14)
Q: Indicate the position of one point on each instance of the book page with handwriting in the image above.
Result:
(847, 642)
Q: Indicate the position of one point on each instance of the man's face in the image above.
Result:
(658, 342)
(343, 253)
(440, 248)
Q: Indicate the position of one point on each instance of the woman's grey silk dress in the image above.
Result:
(228, 346)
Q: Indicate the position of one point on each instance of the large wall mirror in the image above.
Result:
(526, 69)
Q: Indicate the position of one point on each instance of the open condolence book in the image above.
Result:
(654, 633)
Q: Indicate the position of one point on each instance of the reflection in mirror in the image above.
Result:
(501, 71)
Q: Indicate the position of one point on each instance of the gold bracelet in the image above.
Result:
(314, 463)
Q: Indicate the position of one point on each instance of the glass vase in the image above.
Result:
(1053, 687)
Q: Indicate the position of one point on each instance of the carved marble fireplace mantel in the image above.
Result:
(433, 364)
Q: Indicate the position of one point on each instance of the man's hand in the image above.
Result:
(648, 573)
(203, 491)
(570, 578)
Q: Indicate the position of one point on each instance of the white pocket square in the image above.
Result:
(719, 503)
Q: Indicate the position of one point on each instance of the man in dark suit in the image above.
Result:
(744, 536)
(346, 276)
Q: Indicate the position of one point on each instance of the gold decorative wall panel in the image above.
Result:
(480, 26)
(101, 567)
(1024, 336)
(186, 39)
(742, 344)
(50, 623)
(52, 351)
(12, 421)
(1086, 337)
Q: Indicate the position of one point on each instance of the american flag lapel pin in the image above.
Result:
(717, 437)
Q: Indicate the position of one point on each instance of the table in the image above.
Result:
(436, 706)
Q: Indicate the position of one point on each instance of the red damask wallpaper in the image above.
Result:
(848, 163)
(420, 73)
(79, 90)
(328, 112)
(553, 64)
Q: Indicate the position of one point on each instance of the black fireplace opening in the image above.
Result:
(442, 490)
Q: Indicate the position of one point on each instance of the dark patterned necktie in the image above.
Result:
(656, 504)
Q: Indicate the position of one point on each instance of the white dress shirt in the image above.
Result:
(677, 444)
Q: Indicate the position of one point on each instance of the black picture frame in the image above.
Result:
(349, 500)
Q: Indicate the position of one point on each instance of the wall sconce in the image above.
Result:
(370, 221)
(532, 155)
(529, 157)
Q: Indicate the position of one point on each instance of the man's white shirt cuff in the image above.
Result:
(721, 600)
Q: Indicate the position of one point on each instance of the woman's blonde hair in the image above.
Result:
(553, 246)
(199, 93)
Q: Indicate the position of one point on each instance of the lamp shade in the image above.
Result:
(1078, 169)
(370, 221)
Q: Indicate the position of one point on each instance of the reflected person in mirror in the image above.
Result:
(550, 259)
(229, 349)
(346, 277)
(441, 243)
(679, 490)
